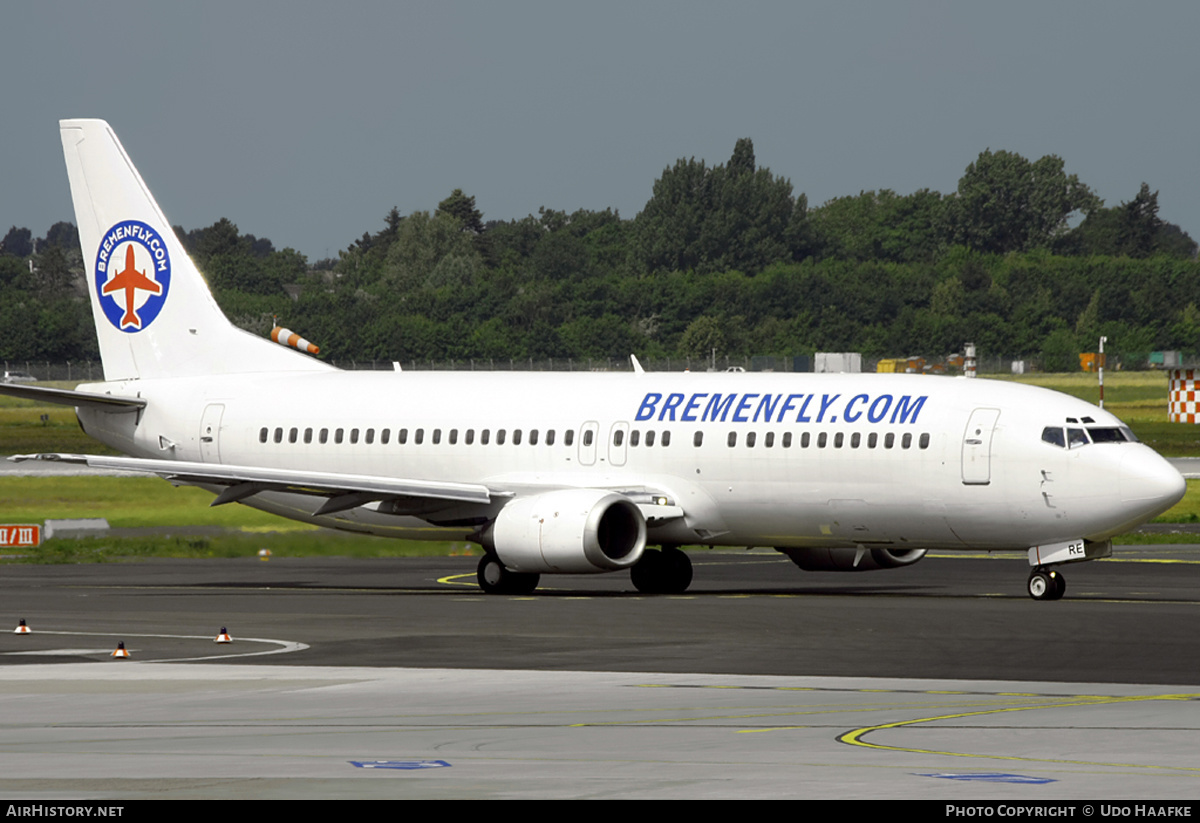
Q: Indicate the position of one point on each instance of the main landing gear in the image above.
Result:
(495, 579)
(662, 572)
(1046, 584)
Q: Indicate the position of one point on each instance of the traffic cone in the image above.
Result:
(120, 651)
(22, 629)
(223, 637)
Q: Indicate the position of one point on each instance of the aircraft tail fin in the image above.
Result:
(154, 313)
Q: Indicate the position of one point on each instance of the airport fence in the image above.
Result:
(91, 370)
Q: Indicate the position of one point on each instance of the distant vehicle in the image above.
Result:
(578, 473)
(19, 377)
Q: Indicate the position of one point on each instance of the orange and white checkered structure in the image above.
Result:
(1183, 396)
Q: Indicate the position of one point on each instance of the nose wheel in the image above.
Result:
(1046, 584)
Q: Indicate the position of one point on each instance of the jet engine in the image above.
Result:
(574, 531)
(844, 560)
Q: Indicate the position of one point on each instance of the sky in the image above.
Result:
(307, 122)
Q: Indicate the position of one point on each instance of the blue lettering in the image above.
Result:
(688, 415)
(673, 401)
(850, 405)
(738, 417)
(646, 410)
(715, 405)
(875, 414)
(787, 407)
(904, 408)
(800, 416)
(826, 402)
(766, 405)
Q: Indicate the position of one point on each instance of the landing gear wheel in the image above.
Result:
(662, 572)
(495, 579)
(1045, 584)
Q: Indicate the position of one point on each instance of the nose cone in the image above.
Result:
(1149, 484)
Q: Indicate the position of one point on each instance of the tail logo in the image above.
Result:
(133, 275)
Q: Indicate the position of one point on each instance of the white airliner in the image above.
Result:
(578, 473)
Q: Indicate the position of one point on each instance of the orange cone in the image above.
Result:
(120, 651)
(22, 629)
(223, 637)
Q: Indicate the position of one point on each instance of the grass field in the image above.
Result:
(1138, 398)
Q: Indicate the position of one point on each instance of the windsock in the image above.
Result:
(287, 337)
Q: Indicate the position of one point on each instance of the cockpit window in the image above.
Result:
(1108, 434)
(1054, 436)
(1076, 437)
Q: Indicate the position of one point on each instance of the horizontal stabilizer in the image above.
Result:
(66, 397)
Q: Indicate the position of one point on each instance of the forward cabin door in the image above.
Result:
(977, 447)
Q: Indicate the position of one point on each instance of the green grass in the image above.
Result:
(314, 543)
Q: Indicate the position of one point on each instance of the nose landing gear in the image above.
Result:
(1046, 584)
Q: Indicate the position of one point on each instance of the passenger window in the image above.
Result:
(385, 436)
(769, 441)
(804, 440)
(731, 440)
(324, 436)
(516, 437)
(419, 436)
(924, 442)
(569, 437)
(453, 437)
(278, 435)
(855, 439)
(821, 440)
(698, 439)
(470, 437)
(906, 442)
(587, 438)
(650, 438)
(666, 439)
(437, 436)
(484, 436)
(370, 436)
(308, 435)
(787, 440)
(550, 437)
(633, 437)
(337, 435)
(402, 436)
(889, 440)
(872, 440)
(292, 435)
(837, 440)
(533, 437)
(354, 435)
(750, 438)
(618, 437)
(262, 435)
(499, 437)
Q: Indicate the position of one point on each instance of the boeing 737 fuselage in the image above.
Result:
(580, 472)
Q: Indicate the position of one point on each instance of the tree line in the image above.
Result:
(1022, 259)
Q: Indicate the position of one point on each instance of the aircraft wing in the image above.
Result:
(66, 397)
(342, 491)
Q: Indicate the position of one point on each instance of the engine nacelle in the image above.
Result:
(842, 560)
(574, 531)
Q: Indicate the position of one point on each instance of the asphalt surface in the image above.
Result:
(397, 678)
